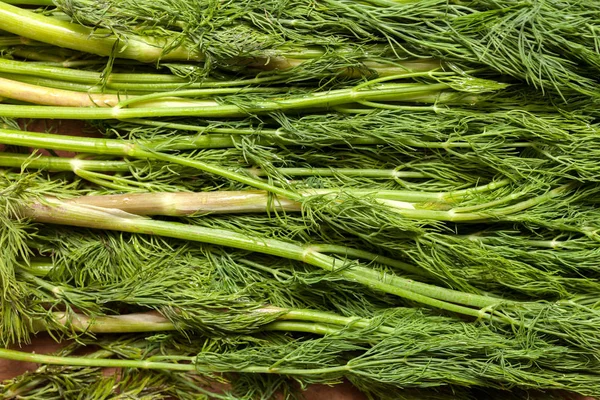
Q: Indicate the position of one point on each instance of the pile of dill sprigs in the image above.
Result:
(265, 195)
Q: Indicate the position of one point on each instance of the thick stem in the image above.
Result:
(153, 321)
(12, 160)
(481, 216)
(182, 204)
(57, 84)
(52, 96)
(294, 326)
(65, 34)
(48, 3)
(82, 76)
(126, 323)
(429, 93)
(34, 94)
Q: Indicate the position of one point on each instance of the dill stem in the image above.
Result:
(65, 34)
(50, 163)
(118, 147)
(180, 204)
(52, 96)
(90, 362)
(140, 88)
(121, 148)
(428, 93)
(349, 252)
(82, 76)
(546, 244)
(55, 97)
(13, 160)
(61, 85)
(31, 2)
(190, 203)
(312, 316)
(293, 320)
(191, 366)
(360, 172)
(294, 326)
(493, 214)
(124, 323)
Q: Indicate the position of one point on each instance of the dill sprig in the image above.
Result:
(416, 337)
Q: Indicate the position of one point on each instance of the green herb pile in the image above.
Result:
(265, 195)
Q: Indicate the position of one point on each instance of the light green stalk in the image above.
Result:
(65, 34)
(183, 203)
(425, 93)
(32, 93)
(48, 3)
(154, 322)
(26, 161)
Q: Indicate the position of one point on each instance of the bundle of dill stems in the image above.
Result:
(402, 194)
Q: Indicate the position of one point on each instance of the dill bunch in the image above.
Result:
(551, 45)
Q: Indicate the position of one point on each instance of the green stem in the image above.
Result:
(7, 354)
(349, 252)
(418, 197)
(26, 161)
(39, 267)
(223, 172)
(65, 34)
(48, 3)
(152, 321)
(545, 244)
(126, 323)
(198, 93)
(480, 216)
(358, 172)
(274, 136)
(161, 84)
(52, 96)
(407, 92)
(294, 326)
(330, 319)
(190, 366)
(182, 204)
(225, 137)
(81, 76)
